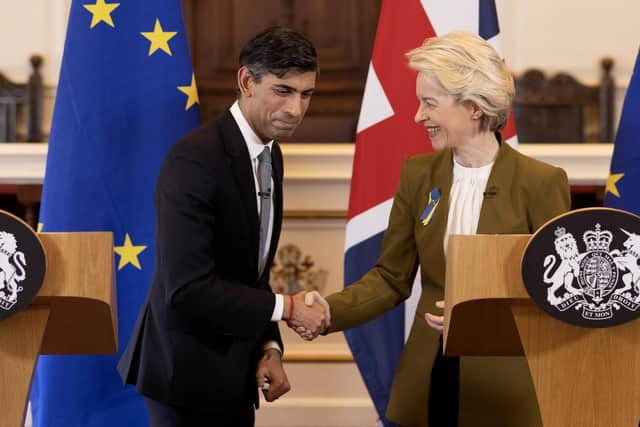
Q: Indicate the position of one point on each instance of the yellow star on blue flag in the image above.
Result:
(191, 91)
(622, 190)
(129, 253)
(101, 12)
(116, 115)
(159, 38)
(611, 186)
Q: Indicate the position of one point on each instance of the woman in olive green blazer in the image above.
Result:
(465, 93)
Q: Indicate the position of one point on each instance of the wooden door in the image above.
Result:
(342, 31)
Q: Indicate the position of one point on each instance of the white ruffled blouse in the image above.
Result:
(465, 199)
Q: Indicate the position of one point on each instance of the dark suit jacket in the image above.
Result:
(527, 194)
(198, 336)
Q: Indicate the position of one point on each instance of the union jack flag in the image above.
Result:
(386, 134)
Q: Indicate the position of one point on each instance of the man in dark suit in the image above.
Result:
(207, 336)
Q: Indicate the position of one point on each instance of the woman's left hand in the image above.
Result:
(435, 322)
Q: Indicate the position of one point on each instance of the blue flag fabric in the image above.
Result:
(126, 93)
(622, 190)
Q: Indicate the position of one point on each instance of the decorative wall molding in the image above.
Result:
(22, 163)
(324, 170)
(329, 165)
(585, 164)
(319, 353)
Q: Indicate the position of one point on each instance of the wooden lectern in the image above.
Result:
(74, 313)
(582, 377)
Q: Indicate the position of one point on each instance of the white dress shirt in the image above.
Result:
(255, 147)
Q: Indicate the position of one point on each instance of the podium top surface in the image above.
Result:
(79, 289)
(483, 280)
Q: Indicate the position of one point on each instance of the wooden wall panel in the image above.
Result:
(342, 31)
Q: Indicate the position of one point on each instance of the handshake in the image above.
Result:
(307, 313)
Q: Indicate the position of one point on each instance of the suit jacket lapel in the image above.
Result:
(431, 236)
(442, 178)
(240, 163)
(497, 190)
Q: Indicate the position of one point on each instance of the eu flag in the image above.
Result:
(126, 93)
(622, 190)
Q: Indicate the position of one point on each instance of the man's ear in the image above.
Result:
(245, 81)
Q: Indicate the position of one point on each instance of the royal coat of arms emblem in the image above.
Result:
(593, 279)
(12, 270)
(22, 265)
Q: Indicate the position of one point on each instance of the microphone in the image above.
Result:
(491, 192)
(265, 194)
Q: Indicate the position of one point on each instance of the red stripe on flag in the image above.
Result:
(381, 148)
(510, 128)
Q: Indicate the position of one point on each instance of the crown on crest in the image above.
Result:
(560, 231)
(597, 240)
(562, 237)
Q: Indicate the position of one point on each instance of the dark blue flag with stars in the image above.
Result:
(622, 190)
(126, 93)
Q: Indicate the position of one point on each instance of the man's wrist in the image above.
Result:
(291, 305)
(286, 311)
(271, 346)
(272, 352)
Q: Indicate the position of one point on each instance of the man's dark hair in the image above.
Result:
(278, 50)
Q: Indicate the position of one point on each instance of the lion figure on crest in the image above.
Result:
(627, 260)
(568, 269)
(12, 265)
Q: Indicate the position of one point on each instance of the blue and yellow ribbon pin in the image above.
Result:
(434, 199)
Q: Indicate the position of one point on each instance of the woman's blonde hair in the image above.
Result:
(469, 68)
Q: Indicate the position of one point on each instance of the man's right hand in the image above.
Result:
(310, 316)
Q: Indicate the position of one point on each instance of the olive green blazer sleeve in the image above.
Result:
(389, 282)
(528, 193)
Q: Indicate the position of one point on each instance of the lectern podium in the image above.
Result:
(74, 313)
(582, 377)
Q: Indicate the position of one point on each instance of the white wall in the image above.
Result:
(28, 27)
(572, 36)
(569, 35)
